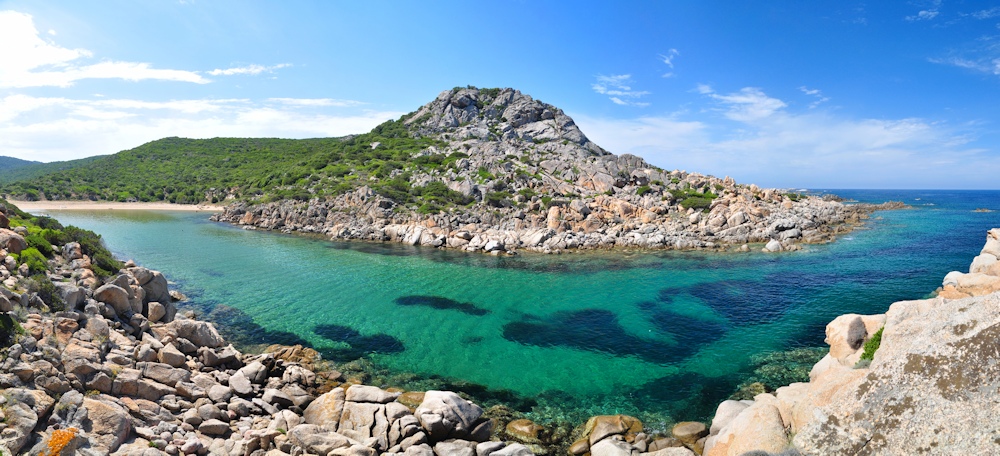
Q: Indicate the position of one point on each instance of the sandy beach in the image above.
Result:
(112, 206)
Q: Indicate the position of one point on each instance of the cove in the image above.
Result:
(660, 335)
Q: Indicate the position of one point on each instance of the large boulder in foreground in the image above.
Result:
(445, 415)
(12, 242)
(116, 297)
(199, 333)
(931, 387)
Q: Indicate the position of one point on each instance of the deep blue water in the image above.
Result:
(661, 335)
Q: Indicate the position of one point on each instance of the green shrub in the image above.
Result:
(37, 264)
(498, 199)
(39, 243)
(643, 190)
(872, 345)
(102, 262)
(429, 208)
(527, 192)
(41, 285)
(484, 174)
(697, 203)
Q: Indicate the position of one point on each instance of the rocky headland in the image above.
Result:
(509, 172)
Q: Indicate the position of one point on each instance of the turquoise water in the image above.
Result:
(661, 335)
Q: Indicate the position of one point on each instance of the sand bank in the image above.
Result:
(31, 206)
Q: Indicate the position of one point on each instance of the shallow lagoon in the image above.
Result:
(662, 335)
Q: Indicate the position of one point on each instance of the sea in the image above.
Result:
(661, 335)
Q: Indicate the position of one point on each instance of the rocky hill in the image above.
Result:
(504, 171)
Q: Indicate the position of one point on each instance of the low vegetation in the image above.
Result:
(191, 171)
(871, 346)
(692, 199)
(44, 232)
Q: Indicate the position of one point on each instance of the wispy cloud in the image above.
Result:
(28, 60)
(619, 90)
(923, 15)
(747, 105)
(55, 128)
(793, 149)
(982, 65)
(773, 144)
(316, 102)
(931, 11)
(817, 94)
(987, 13)
(251, 70)
(668, 59)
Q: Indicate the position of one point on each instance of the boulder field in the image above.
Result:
(739, 217)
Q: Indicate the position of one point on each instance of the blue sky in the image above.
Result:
(817, 94)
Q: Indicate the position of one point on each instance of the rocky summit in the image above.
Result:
(508, 172)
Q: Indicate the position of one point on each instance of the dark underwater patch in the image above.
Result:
(375, 248)
(211, 272)
(441, 303)
(690, 333)
(473, 339)
(358, 345)
(594, 330)
(240, 329)
(748, 302)
(686, 395)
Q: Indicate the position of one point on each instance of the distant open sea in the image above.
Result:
(660, 335)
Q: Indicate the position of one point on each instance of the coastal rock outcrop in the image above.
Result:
(525, 177)
(930, 386)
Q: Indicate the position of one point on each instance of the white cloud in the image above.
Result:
(316, 102)
(251, 70)
(30, 61)
(814, 149)
(668, 58)
(749, 104)
(618, 89)
(704, 89)
(930, 11)
(982, 64)
(47, 129)
(987, 13)
(820, 99)
(645, 134)
(924, 15)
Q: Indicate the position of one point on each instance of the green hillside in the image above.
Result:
(190, 171)
(8, 163)
(33, 170)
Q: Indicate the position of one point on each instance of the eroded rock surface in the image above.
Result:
(932, 387)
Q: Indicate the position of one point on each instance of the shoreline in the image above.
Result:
(29, 206)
